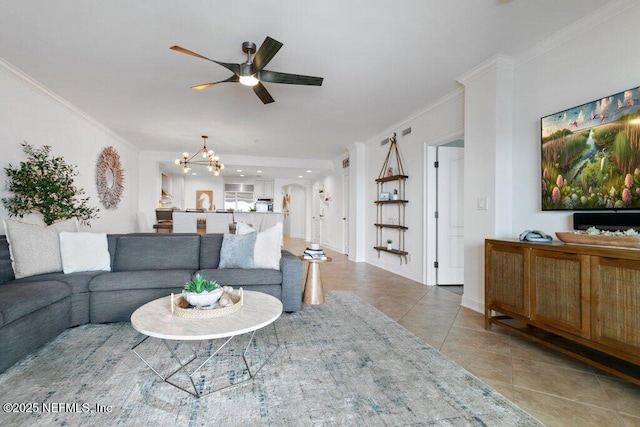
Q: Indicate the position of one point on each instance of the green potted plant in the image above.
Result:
(200, 292)
(389, 243)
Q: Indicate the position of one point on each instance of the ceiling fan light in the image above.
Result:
(249, 80)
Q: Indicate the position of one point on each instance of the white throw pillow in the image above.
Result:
(243, 228)
(35, 249)
(266, 253)
(84, 252)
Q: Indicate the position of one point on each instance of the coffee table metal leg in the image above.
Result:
(246, 350)
(151, 367)
(183, 366)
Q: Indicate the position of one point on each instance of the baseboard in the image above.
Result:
(472, 304)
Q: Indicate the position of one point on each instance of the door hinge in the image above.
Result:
(436, 164)
(436, 215)
(435, 264)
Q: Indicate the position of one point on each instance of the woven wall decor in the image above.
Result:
(109, 178)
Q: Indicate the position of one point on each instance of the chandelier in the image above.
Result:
(209, 159)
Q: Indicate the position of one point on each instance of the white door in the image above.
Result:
(316, 205)
(345, 214)
(450, 244)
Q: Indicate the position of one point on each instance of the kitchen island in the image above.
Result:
(258, 220)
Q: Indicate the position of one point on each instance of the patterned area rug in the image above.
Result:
(341, 363)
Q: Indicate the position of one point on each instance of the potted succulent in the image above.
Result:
(389, 243)
(200, 292)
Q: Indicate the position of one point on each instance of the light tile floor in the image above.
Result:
(552, 387)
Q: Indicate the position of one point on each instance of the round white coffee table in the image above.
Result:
(155, 320)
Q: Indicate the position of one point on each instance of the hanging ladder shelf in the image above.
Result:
(393, 179)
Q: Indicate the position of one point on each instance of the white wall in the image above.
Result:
(30, 112)
(203, 182)
(431, 125)
(592, 59)
(571, 74)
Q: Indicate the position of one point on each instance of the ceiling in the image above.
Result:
(381, 61)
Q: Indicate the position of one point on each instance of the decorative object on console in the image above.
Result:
(210, 160)
(252, 72)
(44, 184)
(625, 239)
(590, 155)
(109, 178)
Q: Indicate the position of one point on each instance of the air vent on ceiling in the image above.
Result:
(384, 142)
(407, 131)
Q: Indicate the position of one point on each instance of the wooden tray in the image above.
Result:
(182, 308)
(599, 240)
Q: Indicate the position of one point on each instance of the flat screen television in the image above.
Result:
(591, 155)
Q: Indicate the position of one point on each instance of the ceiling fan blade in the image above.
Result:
(234, 68)
(263, 93)
(265, 53)
(232, 79)
(291, 79)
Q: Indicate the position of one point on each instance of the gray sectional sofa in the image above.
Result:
(34, 310)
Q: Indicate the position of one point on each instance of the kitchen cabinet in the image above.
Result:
(263, 189)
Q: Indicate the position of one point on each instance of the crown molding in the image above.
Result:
(453, 95)
(595, 19)
(35, 85)
(495, 62)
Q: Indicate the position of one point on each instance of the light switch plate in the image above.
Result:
(483, 203)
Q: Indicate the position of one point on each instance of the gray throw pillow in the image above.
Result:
(237, 251)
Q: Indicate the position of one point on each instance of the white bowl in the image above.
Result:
(203, 299)
(315, 246)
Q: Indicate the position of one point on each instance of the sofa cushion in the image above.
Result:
(78, 282)
(237, 251)
(20, 299)
(157, 252)
(35, 249)
(210, 245)
(241, 277)
(266, 252)
(84, 252)
(126, 280)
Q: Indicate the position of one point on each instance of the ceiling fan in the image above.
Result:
(252, 72)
